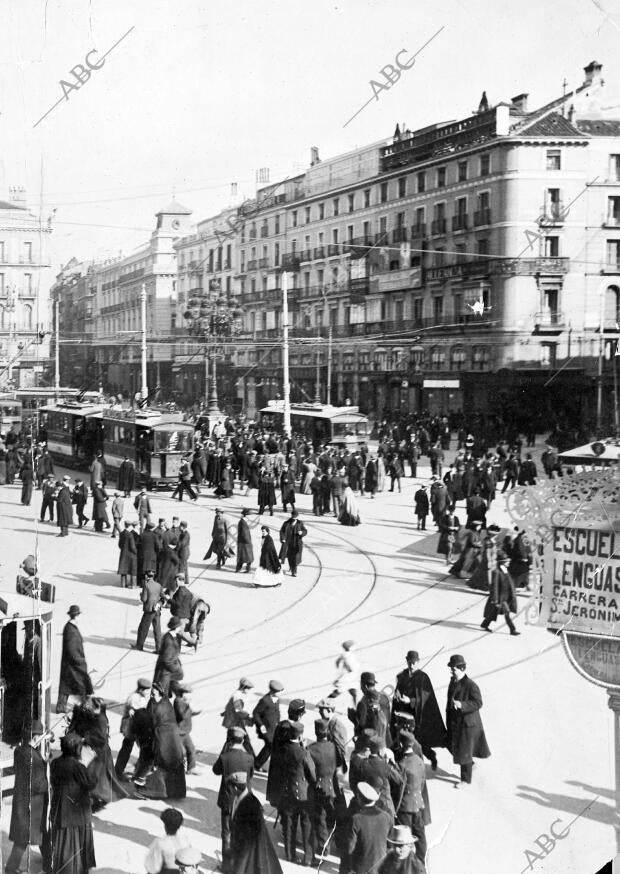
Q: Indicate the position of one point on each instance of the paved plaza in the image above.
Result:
(383, 585)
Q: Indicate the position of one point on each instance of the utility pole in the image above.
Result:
(317, 383)
(286, 387)
(329, 362)
(144, 391)
(57, 349)
(601, 349)
(206, 375)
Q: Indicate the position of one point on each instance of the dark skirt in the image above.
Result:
(108, 787)
(73, 850)
(165, 783)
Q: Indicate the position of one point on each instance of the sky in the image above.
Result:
(199, 95)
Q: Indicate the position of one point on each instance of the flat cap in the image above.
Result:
(367, 792)
(244, 683)
(143, 683)
(401, 835)
(457, 661)
(412, 656)
(275, 686)
(321, 726)
(297, 704)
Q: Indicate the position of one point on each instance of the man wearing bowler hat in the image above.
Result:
(168, 670)
(414, 693)
(266, 716)
(502, 597)
(75, 680)
(400, 858)
(466, 738)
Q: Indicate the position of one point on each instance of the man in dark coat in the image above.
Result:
(64, 509)
(414, 694)
(502, 597)
(99, 513)
(233, 759)
(245, 551)
(147, 551)
(182, 550)
(298, 773)
(97, 471)
(251, 849)
(400, 858)
(79, 497)
(327, 758)
(373, 708)
(266, 716)
(287, 487)
(219, 538)
(422, 506)
(168, 669)
(466, 738)
(476, 509)
(520, 552)
(30, 799)
(75, 680)
(367, 831)
(152, 599)
(45, 467)
(48, 488)
(291, 537)
(126, 476)
(26, 475)
(281, 736)
(412, 810)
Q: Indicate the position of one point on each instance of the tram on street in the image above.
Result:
(73, 438)
(10, 412)
(155, 440)
(322, 423)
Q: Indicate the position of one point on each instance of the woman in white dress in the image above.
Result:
(349, 509)
(380, 473)
(308, 470)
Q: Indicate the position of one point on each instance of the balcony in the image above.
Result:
(252, 264)
(264, 231)
(482, 217)
(252, 234)
(460, 222)
(263, 263)
(319, 252)
(290, 262)
(359, 288)
(438, 226)
(399, 235)
(552, 214)
(333, 249)
(418, 231)
(397, 280)
(305, 255)
(549, 322)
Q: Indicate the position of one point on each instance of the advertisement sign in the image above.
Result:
(358, 268)
(441, 383)
(581, 583)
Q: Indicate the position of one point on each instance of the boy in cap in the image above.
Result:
(234, 713)
(466, 738)
(138, 700)
(183, 713)
(401, 858)
(266, 716)
(79, 497)
(48, 488)
(117, 514)
(367, 832)
(233, 760)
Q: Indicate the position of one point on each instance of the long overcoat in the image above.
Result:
(64, 508)
(74, 676)
(167, 747)
(245, 551)
(466, 738)
(128, 555)
(30, 797)
(147, 551)
(126, 476)
(429, 725)
(291, 537)
(501, 596)
(168, 668)
(100, 514)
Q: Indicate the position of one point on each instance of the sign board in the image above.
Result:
(358, 268)
(441, 383)
(581, 583)
(598, 659)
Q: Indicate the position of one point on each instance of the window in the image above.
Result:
(27, 256)
(319, 276)
(1, 251)
(399, 310)
(384, 192)
(336, 203)
(366, 230)
(173, 321)
(552, 247)
(335, 236)
(613, 254)
(276, 228)
(402, 186)
(306, 280)
(367, 197)
(480, 357)
(242, 265)
(321, 210)
(383, 226)
(350, 233)
(421, 177)
(462, 174)
(438, 357)
(441, 177)
(253, 286)
(400, 219)
(307, 214)
(416, 357)
(614, 168)
(460, 249)
(458, 358)
(28, 283)
(294, 218)
(554, 159)
(613, 211)
(276, 255)
(351, 202)
(483, 246)
(485, 165)
(548, 354)
(438, 257)
(437, 309)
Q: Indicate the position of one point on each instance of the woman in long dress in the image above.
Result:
(308, 469)
(168, 780)
(349, 510)
(269, 571)
(72, 844)
(380, 473)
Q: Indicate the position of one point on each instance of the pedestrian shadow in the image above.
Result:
(445, 623)
(237, 584)
(100, 578)
(595, 790)
(129, 602)
(594, 810)
(119, 642)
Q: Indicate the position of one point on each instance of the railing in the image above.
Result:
(549, 319)
(264, 231)
(482, 217)
(252, 264)
(333, 249)
(459, 222)
(399, 235)
(263, 262)
(418, 230)
(305, 255)
(319, 252)
(290, 261)
(438, 226)
(552, 213)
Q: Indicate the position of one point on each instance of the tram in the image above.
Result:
(10, 412)
(322, 423)
(155, 440)
(73, 438)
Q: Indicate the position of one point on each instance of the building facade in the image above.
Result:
(25, 275)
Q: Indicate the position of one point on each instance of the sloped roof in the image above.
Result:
(551, 125)
(5, 204)
(174, 208)
(599, 127)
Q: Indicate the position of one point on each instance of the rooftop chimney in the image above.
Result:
(520, 102)
(314, 156)
(593, 72)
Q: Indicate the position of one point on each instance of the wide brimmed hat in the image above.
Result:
(400, 836)
(73, 610)
(457, 661)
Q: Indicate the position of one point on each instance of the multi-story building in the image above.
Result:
(468, 264)
(74, 293)
(25, 270)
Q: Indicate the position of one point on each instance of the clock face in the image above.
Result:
(176, 224)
